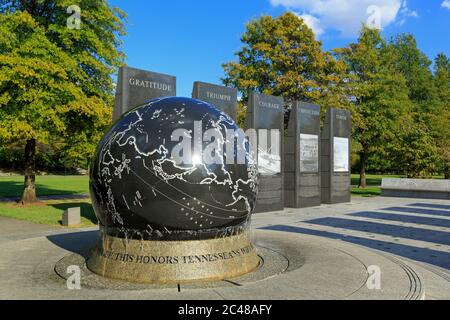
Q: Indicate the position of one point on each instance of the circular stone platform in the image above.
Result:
(271, 264)
(299, 266)
(295, 266)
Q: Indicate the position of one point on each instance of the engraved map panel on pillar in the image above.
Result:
(269, 159)
(341, 154)
(309, 153)
(269, 120)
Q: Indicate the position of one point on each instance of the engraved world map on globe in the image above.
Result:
(140, 191)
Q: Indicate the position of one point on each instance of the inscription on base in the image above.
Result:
(188, 259)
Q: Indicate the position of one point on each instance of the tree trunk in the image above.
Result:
(29, 191)
(447, 173)
(362, 170)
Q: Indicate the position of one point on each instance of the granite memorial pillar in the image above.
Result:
(335, 157)
(135, 87)
(266, 115)
(301, 157)
(223, 98)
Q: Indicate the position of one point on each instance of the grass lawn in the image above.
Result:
(373, 188)
(49, 212)
(12, 187)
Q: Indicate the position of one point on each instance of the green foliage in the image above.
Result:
(395, 102)
(281, 57)
(93, 46)
(422, 143)
(414, 152)
(33, 80)
(415, 66)
(440, 117)
(241, 114)
(378, 93)
(399, 111)
(12, 158)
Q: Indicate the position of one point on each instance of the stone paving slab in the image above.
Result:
(13, 229)
(332, 270)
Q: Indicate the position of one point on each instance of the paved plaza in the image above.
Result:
(317, 253)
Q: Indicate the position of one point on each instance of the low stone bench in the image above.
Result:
(416, 188)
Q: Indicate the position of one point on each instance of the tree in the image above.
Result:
(379, 94)
(414, 150)
(426, 134)
(440, 118)
(55, 81)
(281, 57)
(415, 66)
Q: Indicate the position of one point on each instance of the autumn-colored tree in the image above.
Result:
(55, 80)
(378, 92)
(281, 57)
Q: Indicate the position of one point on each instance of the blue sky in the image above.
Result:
(191, 39)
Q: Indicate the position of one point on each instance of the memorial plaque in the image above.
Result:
(135, 87)
(266, 115)
(269, 161)
(335, 164)
(302, 174)
(223, 98)
(341, 154)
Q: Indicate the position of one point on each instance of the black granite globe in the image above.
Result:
(170, 170)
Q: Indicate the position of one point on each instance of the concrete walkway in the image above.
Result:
(416, 229)
(416, 232)
(13, 230)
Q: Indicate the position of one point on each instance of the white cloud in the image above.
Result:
(313, 23)
(405, 12)
(446, 4)
(347, 16)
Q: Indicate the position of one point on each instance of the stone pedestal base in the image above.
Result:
(165, 262)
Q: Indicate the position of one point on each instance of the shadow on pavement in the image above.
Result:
(433, 236)
(419, 211)
(80, 242)
(445, 223)
(437, 258)
(430, 205)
